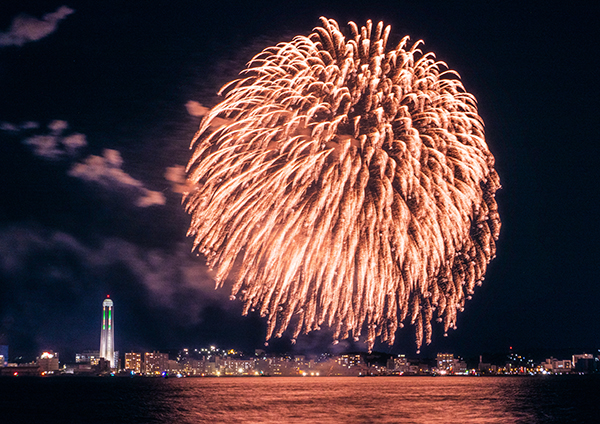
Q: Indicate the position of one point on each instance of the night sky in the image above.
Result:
(95, 125)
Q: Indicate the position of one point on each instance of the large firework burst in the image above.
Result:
(349, 185)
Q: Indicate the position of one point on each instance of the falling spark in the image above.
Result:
(345, 185)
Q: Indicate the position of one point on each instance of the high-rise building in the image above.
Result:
(133, 362)
(156, 362)
(107, 335)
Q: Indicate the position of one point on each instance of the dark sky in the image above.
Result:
(94, 124)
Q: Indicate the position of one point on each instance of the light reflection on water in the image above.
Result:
(300, 400)
(350, 399)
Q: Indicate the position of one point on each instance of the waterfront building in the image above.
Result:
(211, 368)
(350, 361)
(518, 365)
(349, 364)
(16, 370)
(174, 367)
(237, 366)
(583, 363)
(133, 362)
(91, 357)
(193, 366)
(81, 368)
(486, 368)
(48, 362)
(398, 364)
(107, 335)
(555, 366)
(445, 362)
(155, 363)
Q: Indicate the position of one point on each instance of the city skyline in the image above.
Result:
(93, 141)
(215, 362)
(98, 358)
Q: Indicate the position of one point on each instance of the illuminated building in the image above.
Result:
(583, 363)
(485, 367)
(448, 364)
(20, 370)
(399, 364)
(555, 366)
(133, 362)
(107, 335)
(3, 355)
(156, 362)
(48, 362)
(350, 361)
(174, 367)
(237, 366)
(445, 362)
(91, 357)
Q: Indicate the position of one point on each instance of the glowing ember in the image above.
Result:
(351, 186)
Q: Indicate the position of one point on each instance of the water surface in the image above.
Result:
(571, 399)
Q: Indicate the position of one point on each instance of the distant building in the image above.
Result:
(107, 335)
(584, 363)
(278, 366)
(460, 367)
(445, 362)
(350, 361)
(174, 367)
(133, 362)
(91, 357)
(555, 366)
(237, 366)
(487, 368)
(484, 367)
(103, 366)
(398, 364)
(48, 362)
(82, 368)
(3, 355)
(192, 366)
(17, 370)
(155, 363)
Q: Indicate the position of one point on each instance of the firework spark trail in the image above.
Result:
(350, 186)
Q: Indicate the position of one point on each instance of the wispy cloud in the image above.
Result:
(167, 276)
(107, 171)
(25, 28)
(53, 145)
(7, 126)
(51, 276)
(30, 125)
(14, 128)
(58, 126)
